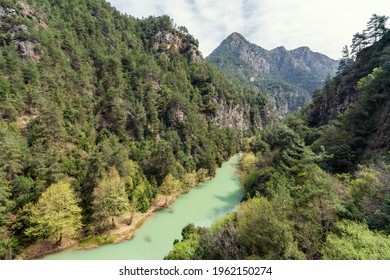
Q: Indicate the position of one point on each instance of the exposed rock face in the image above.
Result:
(233, 116)
(165, 42)
(238, 117)
(27, 49)
(20, 35)
(344, 92)
(220, 112)
(285, 99)
(289, 77)
(7, 12)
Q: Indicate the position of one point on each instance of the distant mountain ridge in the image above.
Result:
(288, 77)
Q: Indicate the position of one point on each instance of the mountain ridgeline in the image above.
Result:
(105, 118)
(109, 110)
(317, 182)
(288, 77)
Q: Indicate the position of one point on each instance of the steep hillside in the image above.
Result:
(289, 77)
(356, 105)
(111, 111)
(317, 182)
(341, 92)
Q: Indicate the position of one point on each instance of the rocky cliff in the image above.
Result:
(338, 94)
(357, 100)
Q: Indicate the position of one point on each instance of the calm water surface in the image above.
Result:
(154, 239)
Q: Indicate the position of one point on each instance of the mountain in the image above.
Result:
(288, 77)
(107, 108)
(317, 182)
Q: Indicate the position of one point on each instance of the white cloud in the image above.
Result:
(323, 25)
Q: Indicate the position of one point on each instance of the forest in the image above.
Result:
(101, 113)
(317, 182)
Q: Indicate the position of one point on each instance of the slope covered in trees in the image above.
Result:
(113, 109)
(288, 77)
(317, 183)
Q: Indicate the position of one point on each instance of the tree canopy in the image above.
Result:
(56, 215)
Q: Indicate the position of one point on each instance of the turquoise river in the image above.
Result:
(154, 239)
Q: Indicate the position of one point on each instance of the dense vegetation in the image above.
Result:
(100, 113)
(317, 183)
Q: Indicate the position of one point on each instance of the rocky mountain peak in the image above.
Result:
(279, 49)
(303, 49)
(296, 73)
(234, 41)
(235, 36)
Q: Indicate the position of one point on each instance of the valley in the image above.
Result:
(105, 118)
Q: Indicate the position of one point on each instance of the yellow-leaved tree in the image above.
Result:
(56, 214)
(109, 200)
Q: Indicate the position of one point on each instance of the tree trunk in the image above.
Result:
(59, 240)
(131, 218)
(8, 255)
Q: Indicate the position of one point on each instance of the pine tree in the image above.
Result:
(359, 42)
(345, 59)
(376, 28)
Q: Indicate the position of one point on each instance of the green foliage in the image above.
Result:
(170, 185)
(371, 192)
(187, 248)
(356, 123)
(376, 29)
(109, 199)
(265, 231)
(4, 199)
(24, 190)
(311, 170)
(13, 151)
(247, 161)
(56, 215)
(96, 89)
(139, 191)
(184, 250)
(90, 241)
(354, 241)
(345, 60)
(291, 205)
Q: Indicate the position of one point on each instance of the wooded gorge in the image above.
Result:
(108, 109)
(317, 182)
(103, 114)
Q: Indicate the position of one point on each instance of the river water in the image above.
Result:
(154, 239)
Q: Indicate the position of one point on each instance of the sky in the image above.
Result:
(324, 26)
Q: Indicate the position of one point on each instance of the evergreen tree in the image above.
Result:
(86, 88)
(376, 28)
(345, 59)
(359, 42)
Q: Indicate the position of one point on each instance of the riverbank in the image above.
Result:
(201, 205)
(125, 226)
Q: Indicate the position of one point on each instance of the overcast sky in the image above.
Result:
(324, 26)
